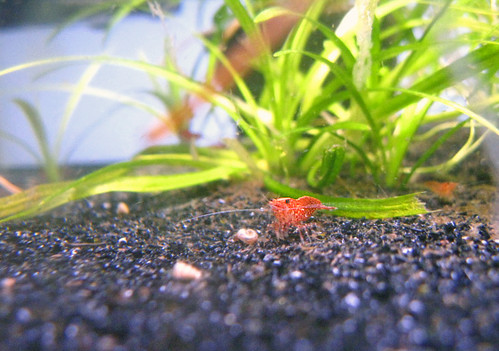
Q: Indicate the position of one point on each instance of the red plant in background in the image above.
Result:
(241, 56)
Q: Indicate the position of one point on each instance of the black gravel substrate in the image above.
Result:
(87, 278)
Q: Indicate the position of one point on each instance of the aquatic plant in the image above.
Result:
(356, 105)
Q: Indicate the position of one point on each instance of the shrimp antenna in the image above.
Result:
(222, 212)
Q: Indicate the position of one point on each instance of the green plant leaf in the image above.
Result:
(49, 161)
(405, 128)
(481, 59)
(73, 102)
(481, 120)
(325, 172)
(125, 176)
(432, 149)
(399, 206)
(346, 79)
(272, 12)
(124, 10)
(243, 16)
(88, 11)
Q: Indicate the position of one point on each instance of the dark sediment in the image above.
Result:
(86, 278)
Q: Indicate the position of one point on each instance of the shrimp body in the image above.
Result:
(292, 212)
(288, 212)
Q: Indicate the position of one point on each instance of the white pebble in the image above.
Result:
(247, 236)
(122, 208)
(185, 271)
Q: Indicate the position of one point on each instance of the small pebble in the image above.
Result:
(7, 283)
(122, 241)
(296, 274)
(185, 271)
(247, 236)
(352, 300)
(122, 208)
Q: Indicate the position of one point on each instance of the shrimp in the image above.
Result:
(292, 212)
(443, 189)
(287, 211)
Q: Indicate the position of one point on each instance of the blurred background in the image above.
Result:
(100, 131)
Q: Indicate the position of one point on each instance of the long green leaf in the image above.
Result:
(431, 150)
(405, 205)
(481, 120)
(405, 128)
(123, 11)
(35, 120)
(481, 59)
(404, 67)
(123, 176)
(73, 102)
(88, 11)
(347, 81)
(243, 16)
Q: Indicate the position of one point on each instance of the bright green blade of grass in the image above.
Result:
(329, 33)
(413, 56)
(479, 60)
(346, 79)
(123, 11)
(399, 206)
(49, 161)
(243, 15)
(325, 172)
(18, 204)
(290, 96)
(123, 176)
(73, 102)
(481, 120)
(157, 70)
(272, 12)
(184, 149)
(432, 149)
(405, 128)
(112, 96)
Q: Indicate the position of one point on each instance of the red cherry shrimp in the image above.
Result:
(288, 212)
(293, 212)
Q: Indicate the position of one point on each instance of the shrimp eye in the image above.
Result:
(287, 201)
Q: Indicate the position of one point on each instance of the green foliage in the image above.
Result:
(210, 165)
(398, 206)
(319, 110)
(325, 172)
(48, 161)
(117, 10)
(49, 155)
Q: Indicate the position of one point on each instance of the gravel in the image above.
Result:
(91, 276)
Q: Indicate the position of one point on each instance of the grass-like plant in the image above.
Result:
(49, 155)
(357, 105)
